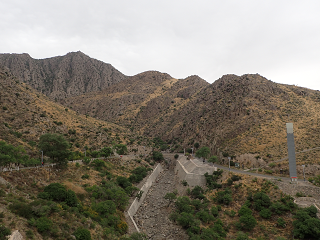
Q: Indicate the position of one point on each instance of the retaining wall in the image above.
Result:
(191, 178)
(136, 203)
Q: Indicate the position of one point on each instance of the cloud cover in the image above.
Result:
(277, 39)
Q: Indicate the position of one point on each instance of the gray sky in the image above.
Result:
(277, 39)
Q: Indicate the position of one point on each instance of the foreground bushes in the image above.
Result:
(58, 192)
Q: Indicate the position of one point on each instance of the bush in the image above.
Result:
(186, 220)
(21, 209)
(306, 226)
(265, 213)
(224, 197)
(235, 178)
(138, 236)
(214, 211)
(242, 236)
(105, 208)
(123, 182)
(57, 192)
(4, 232)
(157, 156)
(43, 224)
(244, 210)
(247, 222)
(261, 200)
(281, 222)
(82, 234)
(204, 216)
(197, 192)
(98, 164)
(176, 156)
(85, 176)
(279, 208)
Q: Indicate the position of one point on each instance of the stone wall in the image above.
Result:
(136, 203)
(292, 189)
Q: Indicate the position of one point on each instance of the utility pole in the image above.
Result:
(304, 177)
(41, 157)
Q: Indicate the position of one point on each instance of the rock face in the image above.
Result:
(62, 76)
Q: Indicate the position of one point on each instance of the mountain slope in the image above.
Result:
(27, 114)
(62, 76)
(139, 100)
(235, 115)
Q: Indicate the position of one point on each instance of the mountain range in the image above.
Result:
(234, 116)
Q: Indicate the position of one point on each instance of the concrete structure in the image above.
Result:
(193, 171)
(15, 236)
(136, 203)
(291, 152)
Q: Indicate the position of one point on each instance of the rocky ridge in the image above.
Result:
(62, 76)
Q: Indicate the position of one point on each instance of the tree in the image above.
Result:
(157, 156)
(213, 159)
(196, 145)
(10, 154)
(106, 152)
(56, 147)
(203, 152)
(121, 149)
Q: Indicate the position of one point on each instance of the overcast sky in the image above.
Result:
(277, 39)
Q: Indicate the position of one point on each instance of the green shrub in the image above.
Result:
(214, 211)
(43, 224)
(229, 181)
(265, 213)
(82, 234)
(123, 182)
(21, 209)
(138, 236)
(244, 210)
(279, 208)
(2, 193)
(247, 222)
(306, 226)
(58, 192)
(106, 207)
(176, 156)
(184, 183)
(98, 164)
(4, 232)
(261, 200)
(281, 222)
(235, 178)
(183, 204)
(268, 171)
(204, 216)
(85, 176)
(197, 192)
(224, 197)
(300, 194)
(242, 236)
(157, 156)
(186, 220)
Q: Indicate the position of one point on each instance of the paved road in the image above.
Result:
(255, 174)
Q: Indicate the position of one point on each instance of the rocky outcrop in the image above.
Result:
(62, 76)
